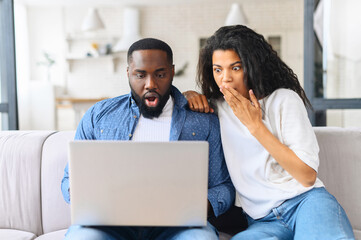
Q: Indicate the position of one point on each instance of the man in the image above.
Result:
(154, 111)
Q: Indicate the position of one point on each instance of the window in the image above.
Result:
(8, 99)
(275, 42)
(202, 42)
(332, 76)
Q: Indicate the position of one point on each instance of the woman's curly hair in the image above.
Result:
(264, 71)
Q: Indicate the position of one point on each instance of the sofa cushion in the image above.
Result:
(57, 235)
(55, 211)
(340, 165)
(11, 234)
(20, 158)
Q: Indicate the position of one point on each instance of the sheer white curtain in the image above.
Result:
(22, 64)
(344, 49)
(36, 97)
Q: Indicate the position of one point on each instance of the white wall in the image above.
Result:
(180, 25)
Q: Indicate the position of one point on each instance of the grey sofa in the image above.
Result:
(32, 164)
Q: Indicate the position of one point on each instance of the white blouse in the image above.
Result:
(261, 183)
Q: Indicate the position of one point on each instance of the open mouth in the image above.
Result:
(151, 99)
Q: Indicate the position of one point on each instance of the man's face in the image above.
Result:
(150, 77)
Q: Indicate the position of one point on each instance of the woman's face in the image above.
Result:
(228, 71)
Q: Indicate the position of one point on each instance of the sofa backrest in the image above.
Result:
(340, 168)
(55, 211)
(32, 165)
(20, 193)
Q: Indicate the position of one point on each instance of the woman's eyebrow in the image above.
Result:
(236, 63)
(216, 65)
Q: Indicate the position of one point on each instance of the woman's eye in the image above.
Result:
(217, 70)
(236, 68)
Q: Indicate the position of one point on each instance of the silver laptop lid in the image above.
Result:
(138, 183)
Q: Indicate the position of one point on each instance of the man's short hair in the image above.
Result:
(150, 43)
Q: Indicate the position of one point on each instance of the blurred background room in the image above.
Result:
(70, 54)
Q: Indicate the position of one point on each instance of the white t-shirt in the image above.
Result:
(261, 183)
(156, 129)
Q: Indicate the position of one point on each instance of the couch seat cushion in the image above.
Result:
(12, 234)
(57, 235)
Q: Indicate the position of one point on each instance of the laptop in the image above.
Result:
(123, 183)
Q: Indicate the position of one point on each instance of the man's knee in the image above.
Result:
(245, 235)
(86, 233)
(206, 233)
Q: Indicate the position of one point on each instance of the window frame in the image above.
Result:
(320, 105)
(8, 102)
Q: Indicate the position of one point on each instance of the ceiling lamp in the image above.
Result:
(235, 16)
(92, 21)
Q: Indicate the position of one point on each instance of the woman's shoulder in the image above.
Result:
(283, 93)
(282, 100)
(283, 96)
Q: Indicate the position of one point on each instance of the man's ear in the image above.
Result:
(173, 70)
(128, 72)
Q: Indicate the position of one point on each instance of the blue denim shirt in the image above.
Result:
(116, 119)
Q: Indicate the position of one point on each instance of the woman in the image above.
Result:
(269, 144)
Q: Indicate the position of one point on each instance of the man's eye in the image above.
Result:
(139, 75)
(161, 75)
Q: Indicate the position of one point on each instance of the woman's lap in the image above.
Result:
(315, 214)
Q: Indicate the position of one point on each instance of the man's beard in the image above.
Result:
(150, 112)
